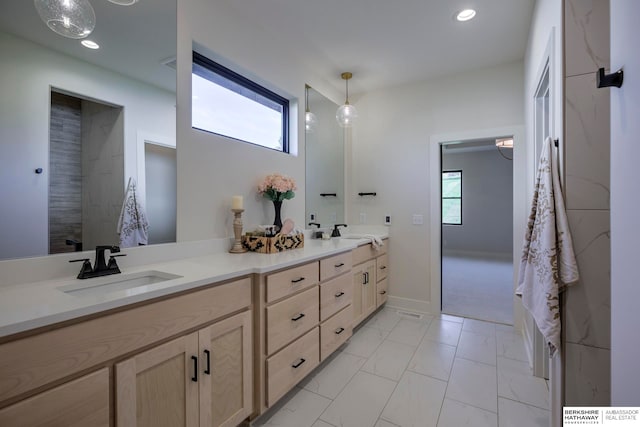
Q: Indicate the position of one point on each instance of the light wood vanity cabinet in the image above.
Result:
(201, 379)
(299, 324)
(370, 280)
(78, 403)
(88, 373)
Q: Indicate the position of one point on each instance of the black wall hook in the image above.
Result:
(608, 80)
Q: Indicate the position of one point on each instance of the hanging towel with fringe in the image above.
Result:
(548, 264)
(133, 227)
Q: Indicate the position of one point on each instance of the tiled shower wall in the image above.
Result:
(587, 305)
(65, 173)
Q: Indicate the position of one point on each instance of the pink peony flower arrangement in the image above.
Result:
(277, 187)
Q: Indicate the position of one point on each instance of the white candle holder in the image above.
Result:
(237, 232)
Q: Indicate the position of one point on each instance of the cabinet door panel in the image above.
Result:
(78, 403)
(226, 390)
(369, 289)
(157, 388)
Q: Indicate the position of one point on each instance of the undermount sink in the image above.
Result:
(119, 282)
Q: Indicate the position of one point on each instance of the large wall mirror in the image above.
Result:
(77, 125)
(324, 154)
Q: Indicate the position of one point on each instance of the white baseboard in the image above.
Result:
(528, 344)
(417, 306)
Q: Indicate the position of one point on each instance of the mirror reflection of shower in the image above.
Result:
(86, 172)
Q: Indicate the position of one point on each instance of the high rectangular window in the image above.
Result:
(228, 104)
(452, 197)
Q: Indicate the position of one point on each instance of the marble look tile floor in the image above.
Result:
(437, 371)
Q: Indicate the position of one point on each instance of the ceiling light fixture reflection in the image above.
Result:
(310, 120)
(90, 44)
(74, 19)
(124, 2)
(465, 15)
(346, 113)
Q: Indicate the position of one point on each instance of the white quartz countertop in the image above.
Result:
(32, 305)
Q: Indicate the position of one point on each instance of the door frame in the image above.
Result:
(519, 205)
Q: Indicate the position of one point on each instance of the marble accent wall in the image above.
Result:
(587, 305)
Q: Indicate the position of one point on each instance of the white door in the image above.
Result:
(625, 204)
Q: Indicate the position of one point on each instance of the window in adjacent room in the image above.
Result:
(452, 197)
(228, 104)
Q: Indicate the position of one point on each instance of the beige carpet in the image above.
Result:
(479, 288)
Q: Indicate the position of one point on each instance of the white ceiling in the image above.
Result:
(384, 43)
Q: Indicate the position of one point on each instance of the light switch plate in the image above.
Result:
(418, 219)
(387, 220)
(312, 217)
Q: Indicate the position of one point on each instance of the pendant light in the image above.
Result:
(346, 113)
(310, 120)
(74, 19)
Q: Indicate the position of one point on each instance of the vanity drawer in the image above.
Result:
(335, 295)
(335, 265)
(286, 368)
(382, 291)
(292, 280)
(289, 319)
(335, 331)
(382, 267)
(37, 360)
(366, 252)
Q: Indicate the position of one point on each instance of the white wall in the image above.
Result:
(625, 204)
(390, 156)
(27, 73)
(211, 169)
(487, 203)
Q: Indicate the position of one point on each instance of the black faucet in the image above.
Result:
(100, 267)
(317, 234)
(336, 231)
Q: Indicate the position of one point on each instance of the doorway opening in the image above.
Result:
(477, 229)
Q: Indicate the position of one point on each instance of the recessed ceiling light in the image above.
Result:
(90, 44)
(465, 15)
(124, 2)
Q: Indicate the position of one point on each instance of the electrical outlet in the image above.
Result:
(387, 220)
(418, 219)
(363, 218)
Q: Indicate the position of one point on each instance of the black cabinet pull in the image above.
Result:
(383, 292)
(298, 317)
(339, 331)
(297, 280)
(364, 278)
(208, 369)
(339, 265)
(383, 267)
(296, 365)
(194, 378)
(339, 294)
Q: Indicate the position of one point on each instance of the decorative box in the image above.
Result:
(270, 245)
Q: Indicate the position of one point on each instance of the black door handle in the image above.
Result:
(298, 317)
(339, 331)
(208, 369)
(296, 365)
(194, 378)
(339, 294)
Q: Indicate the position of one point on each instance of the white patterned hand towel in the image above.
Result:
(548, 263)
(376, 242)
(133, 227)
